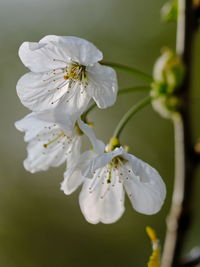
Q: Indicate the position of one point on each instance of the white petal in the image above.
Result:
(73, 176)
(101, 161)
(102, 202)
(75, 154)
(40, 57)
(61, 115)
(98, 145)
(72, 180)
(144, 185)
(102, 85)
(39, 91)
(48, 144)
(54, 52)
(75, 48)
(31, 125)
(40, 158)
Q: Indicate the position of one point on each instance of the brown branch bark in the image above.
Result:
(179, 218)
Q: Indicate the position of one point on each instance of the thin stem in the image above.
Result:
(178, 192)
(128, 115)
(120, 92)
(133, 71)
(85, 114)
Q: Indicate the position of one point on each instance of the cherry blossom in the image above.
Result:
(65, 69)
(106, 177)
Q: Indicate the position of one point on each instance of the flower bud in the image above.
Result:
(168, 75)
(169, 11)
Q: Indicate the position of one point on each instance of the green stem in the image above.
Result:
(88, 111)
(128, 115)
(120, 92)
(133, 71)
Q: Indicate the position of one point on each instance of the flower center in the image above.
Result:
(73, 75)
(76, 72)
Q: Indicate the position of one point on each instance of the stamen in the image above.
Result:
(106, 191)
(109, 170)
(53, 78)
(76, 72)
(69, 96)
(73, 73)
(59, 60)
(120, 169)
(61, 85)
(53, 102)
(114, 178)
(66, 77)
(95, 180)
(53, 140)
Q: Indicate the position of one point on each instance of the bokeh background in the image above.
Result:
(39, 225)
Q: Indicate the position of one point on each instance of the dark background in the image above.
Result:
(39, 225)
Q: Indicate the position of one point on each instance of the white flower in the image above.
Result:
(108, 176)
(65, 69)
(51, 143)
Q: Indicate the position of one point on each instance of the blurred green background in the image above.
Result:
(39, 225)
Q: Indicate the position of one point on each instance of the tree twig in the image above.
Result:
(179, 218)
(178, 193)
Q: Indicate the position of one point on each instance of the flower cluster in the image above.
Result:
(64, 79)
